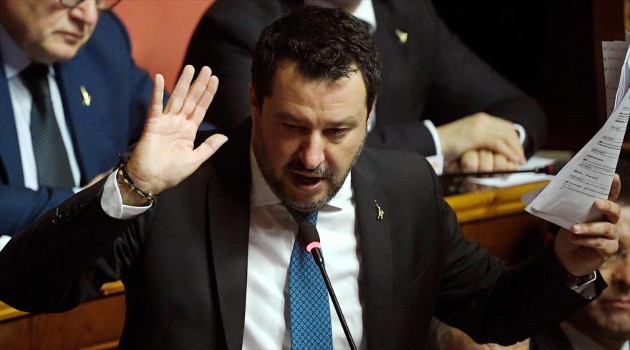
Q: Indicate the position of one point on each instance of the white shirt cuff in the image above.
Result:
(587, 290)
(111, 201)
(3, 241)
(520, 130)
(434, 134)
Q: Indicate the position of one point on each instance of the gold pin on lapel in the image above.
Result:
(402, 36)
(87, 99)
(380, 212)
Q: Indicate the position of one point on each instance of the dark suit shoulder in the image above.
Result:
(223, 15)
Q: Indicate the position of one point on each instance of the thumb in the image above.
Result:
(209, 147)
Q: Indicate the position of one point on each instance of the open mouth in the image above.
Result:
(303, 180)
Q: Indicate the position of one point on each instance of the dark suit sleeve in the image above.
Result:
(463, 84)
(65, 257)
(496, 304)
(20, 206)
(434, 76)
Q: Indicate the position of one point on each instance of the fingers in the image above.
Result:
(209, 147)
(469, 161)
(206, 99)
(486, 160)
(157, 97)
(196, 91)
(506, 146)
(609, 209)
(499, 136)
(176, 101)
(601, 236)
(615, 188)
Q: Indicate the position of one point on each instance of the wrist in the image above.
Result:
(576, 282)
(131, 192)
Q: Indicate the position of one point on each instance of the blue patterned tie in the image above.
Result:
(308, 298)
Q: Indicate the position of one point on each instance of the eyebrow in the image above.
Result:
(349, 121)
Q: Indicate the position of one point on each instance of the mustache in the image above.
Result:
(321, 169)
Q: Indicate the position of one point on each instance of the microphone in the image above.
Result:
(309, 238)
(549, 169)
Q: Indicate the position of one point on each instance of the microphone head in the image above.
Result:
(308, 235)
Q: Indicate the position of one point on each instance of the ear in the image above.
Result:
(254, 108)
(370, 114)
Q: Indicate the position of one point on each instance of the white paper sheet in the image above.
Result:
(517, 179)
(624, 81)
(569, 197)
(614, 53)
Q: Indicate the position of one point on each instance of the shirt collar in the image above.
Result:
(261, 193)
(364, 12)
(14, 58)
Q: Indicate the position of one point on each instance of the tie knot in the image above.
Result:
(301, 216)
(35, 78)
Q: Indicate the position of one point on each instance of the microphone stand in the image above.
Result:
(549, 170)
(310, 237)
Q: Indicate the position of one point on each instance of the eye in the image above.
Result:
(291, 127)
(337, 131)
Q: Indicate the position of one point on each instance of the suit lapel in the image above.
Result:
(72, 78)
(228, 198)
(9, 147)
(376, 257)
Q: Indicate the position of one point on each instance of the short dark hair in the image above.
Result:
(326, 44)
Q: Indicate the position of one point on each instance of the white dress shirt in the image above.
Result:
(581, 341)
(272, 233)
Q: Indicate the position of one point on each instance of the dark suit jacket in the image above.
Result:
(433, 76)
(553, 339)
(120, 95)
(184, 263)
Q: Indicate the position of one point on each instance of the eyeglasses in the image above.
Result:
(102, 5)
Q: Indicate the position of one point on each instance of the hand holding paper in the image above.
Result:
(586, 246)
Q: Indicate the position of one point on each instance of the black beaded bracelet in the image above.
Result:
(122, 176)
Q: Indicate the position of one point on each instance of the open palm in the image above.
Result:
(165, 154)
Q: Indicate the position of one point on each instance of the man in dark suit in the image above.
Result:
(211, 264)
(428, 75)
(99, 99)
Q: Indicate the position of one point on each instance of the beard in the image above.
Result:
(275, 182)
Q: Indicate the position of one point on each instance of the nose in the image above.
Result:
(621, 276)
(312, 151)
(86, 12)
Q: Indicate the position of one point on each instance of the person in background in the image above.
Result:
(438, 98)
(71, 98)
(219, 259)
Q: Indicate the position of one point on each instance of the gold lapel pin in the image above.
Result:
(380, 213)
(402, 36)
(87, 99)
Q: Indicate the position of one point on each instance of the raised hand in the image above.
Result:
(583, 249)
(165, 154)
